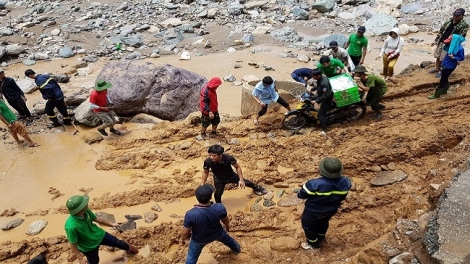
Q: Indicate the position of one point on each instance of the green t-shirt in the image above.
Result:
(377, 83)
(330, 71)
(83, 232)
(7, 113)
(356, 44)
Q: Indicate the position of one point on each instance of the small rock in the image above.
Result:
(176, 216)
(279, 193)
(258, 199)
(391, 166)
(185, 55)
(12, 224)
(36, 227)
(376, 168)
(106, 216)
(129, 225)
(133, 217)
(268, 196)
(268, 203)
(435, 186)
(149, 217)
(288, 201)
(156, 207)
(229, 78)
(256, 208)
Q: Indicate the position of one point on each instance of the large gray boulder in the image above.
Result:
(163, 91)
(380, 24)
(323, 6)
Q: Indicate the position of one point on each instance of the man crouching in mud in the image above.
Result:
(221, 166)
(85, 236)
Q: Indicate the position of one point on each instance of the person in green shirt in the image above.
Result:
(85, 236)
(331, 67)
(374, 87)
(14, 126)
(357, 46)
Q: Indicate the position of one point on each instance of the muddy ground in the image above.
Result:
(425, 138)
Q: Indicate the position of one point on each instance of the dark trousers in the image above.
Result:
(280, 101)
(108, 240)
(324, 107)
(315, 226)
(20, 106)
(60, 105)
(219, 185)
(374, 99)
(356, 59)
(445, 74)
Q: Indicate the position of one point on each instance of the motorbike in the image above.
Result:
(305, 112)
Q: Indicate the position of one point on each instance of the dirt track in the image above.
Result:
(426, 139)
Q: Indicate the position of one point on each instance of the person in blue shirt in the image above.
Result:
(51, 91)
(264, 93)
(324, 196)
(202, 223)
(455, 54)
(302, 75)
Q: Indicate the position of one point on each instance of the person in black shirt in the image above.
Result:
(15, 97)
(221, 166)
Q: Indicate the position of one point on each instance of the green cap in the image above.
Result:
(331, 167)
(102, 85)
(76, 203)
(360, 68)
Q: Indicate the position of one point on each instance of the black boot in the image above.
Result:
(55, 122)
(67, 121)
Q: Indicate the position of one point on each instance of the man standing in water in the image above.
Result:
(221, 166)
(85, 236)
(202, 223)
(51, 92)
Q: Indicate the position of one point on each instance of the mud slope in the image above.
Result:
(425, 138)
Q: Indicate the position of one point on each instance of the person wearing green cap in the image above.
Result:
(374, 87)
(85, 236)
(324, 196)
(99, 101)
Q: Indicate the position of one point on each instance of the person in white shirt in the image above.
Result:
(390, 52)
(341, 54)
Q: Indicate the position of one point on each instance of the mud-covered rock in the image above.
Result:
(163, 91)
(285, 243)
(156, 207)
(289, 200)
(12, 224)
(388, 177)
(133, 217)
(36, 227)
(149, 217)
(256, 207)
(108, 217)
(129, 225)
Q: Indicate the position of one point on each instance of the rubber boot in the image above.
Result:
(67, 121)
(55, 122)
(437, 93)
(446, 88)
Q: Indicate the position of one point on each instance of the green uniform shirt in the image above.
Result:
(356, 44)
(330, 71)
(83, 232)
(376, 84)
(7, 113)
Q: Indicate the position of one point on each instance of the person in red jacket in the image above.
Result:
(209, 107)
(99, 101)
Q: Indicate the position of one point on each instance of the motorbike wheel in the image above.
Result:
(294, 121)
(359, 110)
